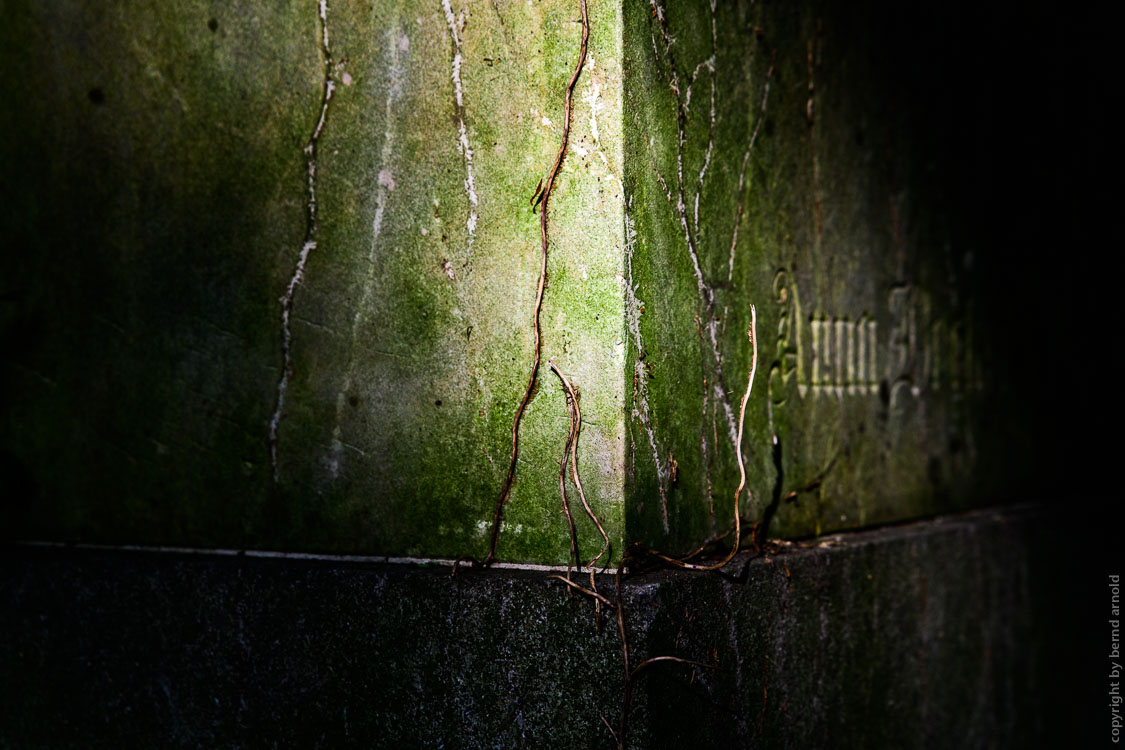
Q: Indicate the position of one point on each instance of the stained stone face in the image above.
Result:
(275, 265)
(771, 160)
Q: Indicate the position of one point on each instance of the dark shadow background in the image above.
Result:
(1045, 197)
(1037, 158)
(1018, 99)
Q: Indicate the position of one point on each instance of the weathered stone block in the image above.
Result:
(936, 634)
(768, 161)
(280, 261)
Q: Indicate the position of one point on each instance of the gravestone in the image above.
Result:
(277, 269)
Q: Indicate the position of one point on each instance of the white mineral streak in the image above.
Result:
(709, 63)
(455, 24)
(742, 175)
(640, 377)
(385, 184)
(591, 98)
(278, 555)
(311, 230)
(706, 293)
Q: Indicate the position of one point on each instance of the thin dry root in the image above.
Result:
(572, 444)
(599, 597)
(627, 697)
(607, 726)
(571, 439)
(682, 562)
(677, 659)
(545, 198)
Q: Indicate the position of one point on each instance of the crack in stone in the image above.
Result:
(709, 64)
(385, 184)
(309, 243)
(456, 25)
(691, 228)
(742, 172)
(705, 291)
(633, 306)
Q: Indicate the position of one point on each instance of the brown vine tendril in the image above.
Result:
(575, 429)
(571, 439)
(636, 552)
(716, 539)
(676, 659)
(505, 491)
(681, 562)
(601, 598)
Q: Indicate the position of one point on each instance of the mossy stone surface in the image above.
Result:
(370, 167)
(784, 156)
(274, 266)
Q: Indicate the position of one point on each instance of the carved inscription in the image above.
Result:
(835, 355)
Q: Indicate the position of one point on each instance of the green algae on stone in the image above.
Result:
(282, 264)
(371, 167)
(761, 167)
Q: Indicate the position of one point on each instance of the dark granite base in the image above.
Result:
(944, 633)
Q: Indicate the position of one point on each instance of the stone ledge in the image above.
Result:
(929, 634)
